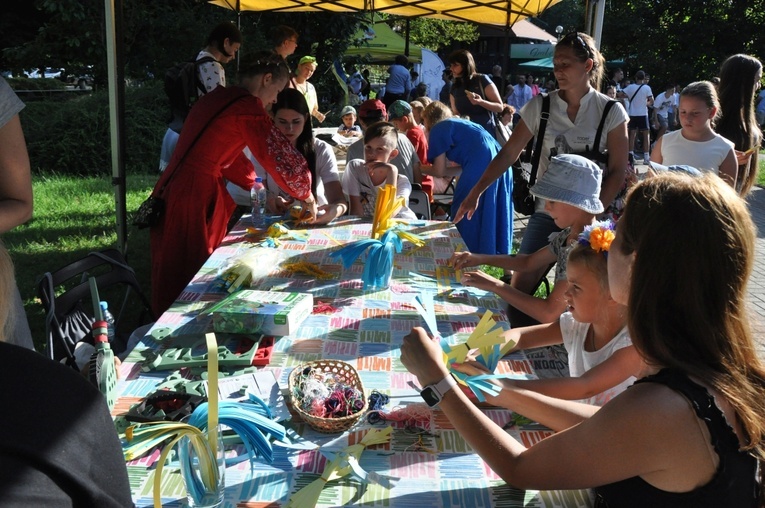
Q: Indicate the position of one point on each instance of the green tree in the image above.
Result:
(435, 34)
(682, 41)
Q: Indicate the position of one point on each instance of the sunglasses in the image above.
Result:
(574, 39)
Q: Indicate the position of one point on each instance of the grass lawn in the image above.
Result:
(73, 216)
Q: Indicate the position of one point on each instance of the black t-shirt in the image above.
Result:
(58, 445)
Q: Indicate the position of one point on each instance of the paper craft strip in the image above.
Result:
(386, 206)
(252, 422)
(338, 467)
(485, 334)
(379, 265)
(423, 302)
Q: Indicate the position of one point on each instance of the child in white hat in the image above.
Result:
(570, 186)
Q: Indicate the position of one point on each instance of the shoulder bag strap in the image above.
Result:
(636, 91)
(599, 133)
(540, 138)
(168, 177)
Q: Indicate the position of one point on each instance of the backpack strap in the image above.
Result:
(197, 63)
(545, 114)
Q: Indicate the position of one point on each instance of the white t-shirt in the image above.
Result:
(326, 171)
(567, 136)
(702, 155)
(580, 361)
(211, 74)
(662, 104)
(638, 103)
(356, 182)
(403, 161)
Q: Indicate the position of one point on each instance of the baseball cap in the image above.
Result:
(348, 110)
(681, 168)
(571, 179)
(372, 108)
(399, 109)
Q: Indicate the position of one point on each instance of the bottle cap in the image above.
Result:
(258, 179)
(104, 305)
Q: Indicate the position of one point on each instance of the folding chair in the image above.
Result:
(419, 203)
(444, 200)
(66, 298)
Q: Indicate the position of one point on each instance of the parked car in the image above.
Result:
(49, 72)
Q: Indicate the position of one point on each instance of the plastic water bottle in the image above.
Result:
(111, 330)
(258, 202)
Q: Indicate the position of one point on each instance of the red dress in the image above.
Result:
(197, 205)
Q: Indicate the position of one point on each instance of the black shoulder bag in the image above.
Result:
(524, 173)
(151, 210)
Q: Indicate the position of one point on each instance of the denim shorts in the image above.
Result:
(537, 234)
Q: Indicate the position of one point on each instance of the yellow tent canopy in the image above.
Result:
(487, 12)
(381, 44)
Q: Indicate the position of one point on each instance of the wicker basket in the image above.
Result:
(349, 376)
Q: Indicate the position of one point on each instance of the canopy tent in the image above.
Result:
(542, 63)
(381, 45)
(489, 12)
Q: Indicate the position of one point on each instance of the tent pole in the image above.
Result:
(115, 69)
(406, 40)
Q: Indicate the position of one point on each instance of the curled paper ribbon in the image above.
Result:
(379, 264)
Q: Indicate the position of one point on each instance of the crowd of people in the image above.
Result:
(664, 405)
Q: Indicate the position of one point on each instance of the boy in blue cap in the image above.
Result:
(570, 186)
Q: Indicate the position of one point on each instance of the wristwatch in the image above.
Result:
(433, 394)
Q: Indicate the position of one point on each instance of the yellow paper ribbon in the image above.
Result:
(308, 496)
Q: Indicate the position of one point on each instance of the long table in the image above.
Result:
(431, 465)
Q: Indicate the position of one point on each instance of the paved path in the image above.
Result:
(756, 293)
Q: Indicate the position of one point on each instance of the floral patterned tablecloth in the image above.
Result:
(428, 466)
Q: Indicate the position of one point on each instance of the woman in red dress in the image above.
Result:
(209, 153)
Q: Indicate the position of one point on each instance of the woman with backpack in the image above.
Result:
(575, 112)
(209, 153)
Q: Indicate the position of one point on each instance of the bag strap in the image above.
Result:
(599, 133)
(636, 91)
(172, 171)
(540, 138)
(197, 63)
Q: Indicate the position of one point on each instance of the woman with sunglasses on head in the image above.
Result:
(575, 111)
(209, 153)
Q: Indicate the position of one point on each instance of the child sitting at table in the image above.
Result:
(570, 186)
(362, 178)
(348, 128)
(401, 115)
(601, 358)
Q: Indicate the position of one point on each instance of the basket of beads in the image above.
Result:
(327, 394)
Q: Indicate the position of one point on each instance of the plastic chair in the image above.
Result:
(66, 298)
(419, 203)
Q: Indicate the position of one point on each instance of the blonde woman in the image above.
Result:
(305, 69)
